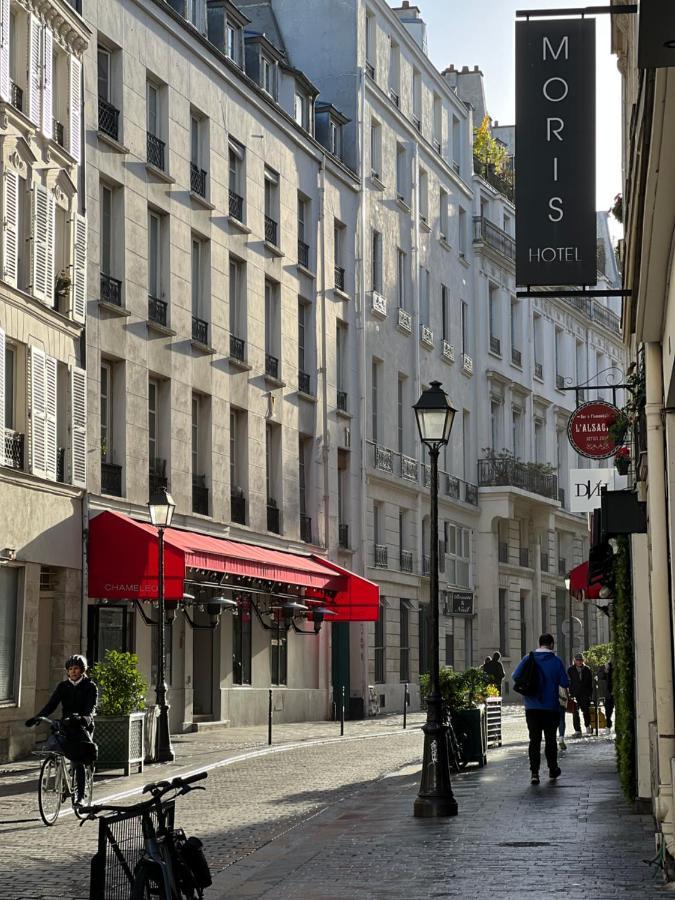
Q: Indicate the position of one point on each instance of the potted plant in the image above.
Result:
(617, 208)
(618, 428)
(622, 460)
(464, 695)
(120, 718)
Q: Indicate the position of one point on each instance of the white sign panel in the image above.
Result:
(586, 485)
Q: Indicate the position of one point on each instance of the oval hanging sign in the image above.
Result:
(588, 429)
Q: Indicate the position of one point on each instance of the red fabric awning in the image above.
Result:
(579, 582)
(123, 564)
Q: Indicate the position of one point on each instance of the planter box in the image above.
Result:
(470, 727)
(120, 742)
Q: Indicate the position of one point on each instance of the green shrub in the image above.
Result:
(623, 666)
(597, 656)
(459, 690)
(121, 687)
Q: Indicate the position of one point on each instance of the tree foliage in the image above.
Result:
(623, 668)
(488, 149)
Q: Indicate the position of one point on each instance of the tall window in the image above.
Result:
(104, 60)
(370, 42)
(302, 313)
(424, 196)
(196, 413)
(375, 148)
(10, 387)
(404, 640)
(517, 432)
(449, 649)
(154, 256)
(153, 110)
(461, 232)
(303, 231)
(197, 253)
(424, 632)
(376, 261)
(515, 331)
(380, 647)
(458, 553)
(272, 322)
(153, 432)
(394, 71)
(304, 447)
(106, 197)
(236, 295)
(425, 281)
(236, 180)
(456, 144)
(401, 172)
(241, 644)
(537, 342)
(494, 316)
(374, 399)
(417, 99)
(106, 412)
(401, 268)
(271, 206)
(539, 441)
(340, 350)
(400, 414)
(445, 313)
(544, 614)
(267, 76)
(438, 124)
(503, 621)
(496, 425)
(443, 215)
(559, 360)
(466, 346)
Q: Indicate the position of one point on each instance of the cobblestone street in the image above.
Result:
(327, 817)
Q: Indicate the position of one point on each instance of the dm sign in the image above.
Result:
(588, 429)
(555, 141)
(586, 487)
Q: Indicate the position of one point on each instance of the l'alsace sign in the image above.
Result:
(555, 152)
(588, 429)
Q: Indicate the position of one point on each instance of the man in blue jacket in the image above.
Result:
(542, 712)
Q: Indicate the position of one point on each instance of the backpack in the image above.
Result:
(527, 682)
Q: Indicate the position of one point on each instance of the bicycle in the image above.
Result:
(170, 866)
(57, 779)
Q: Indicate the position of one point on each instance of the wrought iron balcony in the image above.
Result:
(503, 552)
(237, 348)
(381, 556)
(495, 345)
(200, 331)
(452, 488)
(383, 459)
(486, 231)
(342, 401)
(343, 535)
(157, 310)
(111, 479)
(108, 119)
(271, 366)
(394, 97)
(405, 321)
(406, 560)
(58, 133)
(155, 148)
(408, 468)
(306, 529)
(111, 290)
(502, 181)
(303, 254)
(200, 495)
(524, 557)
(273, 517)
(437, 145)
(238, 508)
(304, 383)
(17, 97)
(516, 357)
(197, 180)
(471, 493)
(417, 122)
(14, 444)
(236, 206)
(271, 228)
(511, 472)
(339, 278)
(539, 370)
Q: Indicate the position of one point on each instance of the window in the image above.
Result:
(445, 312)
(496, 425)
(544, 614)
(340, 362)
(401, 173)
(375, 149)
(516, 355)
(449, 649)
(10, 384)
(371, 60)
(278, 651)
(458, 553)
(494, 313)
(301, 107)
(537, 341)
(503, 621)
(241, 643)
(335, 138)
(401, 272)
(104, 61)
(394, 71)
(106, 196)
(443, 214)
(237, 452)
(199, 154)
(559, 359)
(196, 14)
(304, 229)
(304, 455)
(272, 458)
(267, 76)
(456, 144)
(155, 256)
(517, 431)
(374, 400)
(153, 109)
(438, 124)
(424, 619)
(539, 441)
(425, 311)
(153, 431)
(106, 412)
(237, 297)
(343, 498)
(424, 196)
(580, 362)
(109, 628)
(43, 399)
(376, 261)
(417, 99)
(199, 277)
(9, 615)
(404, 640)
(380, 649)
(467, 456)
(461, 232)
(271, 206)
(236, 180)
(272, 338)
(466, 345)
(233, 42)
(302, 313)
(400, 414)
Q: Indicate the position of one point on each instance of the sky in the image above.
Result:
(482, 33)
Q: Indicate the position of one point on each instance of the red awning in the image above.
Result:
(123, 564)
(579, 582)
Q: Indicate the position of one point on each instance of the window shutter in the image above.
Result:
(5, 86)
(78, 427)
(75, 107)
(40, 239)
(79, 287)
(50, 417)
(50, 249)
(10, 226)
(38, 422)
(34, 68)
(47, 81)
(2, 397)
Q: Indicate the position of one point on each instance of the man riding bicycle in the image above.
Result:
(77, 695)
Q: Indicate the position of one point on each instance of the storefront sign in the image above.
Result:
(656, 40)
(588, 429)
(461, 603)
(555, 137)
(586, 487)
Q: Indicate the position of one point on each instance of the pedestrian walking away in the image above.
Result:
(494, 668)
(542, 709)
(77, 696)
(581, 689)
(563, 697)
(609, 692)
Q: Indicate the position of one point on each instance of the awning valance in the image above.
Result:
(579, 582)
(123, 563)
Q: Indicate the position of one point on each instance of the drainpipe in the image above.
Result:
(416, 319)
(85, 572)
(662, 659)
(323, 369)
(361, 324)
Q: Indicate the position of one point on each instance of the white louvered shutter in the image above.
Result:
(10, 226)
(47, 81)
(50, 248)
(78, 427)
(40, 241)
(5, 85)
(75, 108)
(34, 79)
(2, 397)
(38, 422)
(50, 417)
(79, 287)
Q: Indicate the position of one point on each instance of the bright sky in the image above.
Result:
(482, 33)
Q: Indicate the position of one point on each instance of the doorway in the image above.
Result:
(202, 665)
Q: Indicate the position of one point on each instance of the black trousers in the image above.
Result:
(583, 704)
(542, 721)
(609, 710)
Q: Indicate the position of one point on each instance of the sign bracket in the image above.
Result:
(577, 11)
(576, 292)
(608, 386)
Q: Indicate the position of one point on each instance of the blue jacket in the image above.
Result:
(552, 675)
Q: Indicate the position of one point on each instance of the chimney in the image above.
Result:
(409, 17)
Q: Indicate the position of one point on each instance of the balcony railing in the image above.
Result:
(17, 97)
(417, 122)
(452, 487)
(111, 290)
(197, 180)
(273, 517)
(406, 560)
(394, 97)
(238, 508)
(503, 552)
(471, 493)
(381, 558)
(524, 557)
(111, 479)
(304, 383)
(343, 535)
(303, 254)
(306, 529)
(561, 496)
(511, 472)
(200, 495)
(426, 565)
(339, 278)
(157, 310)
(108, 119)
(58, 132)
(543, 560)
(237, 348)
(200, 331)
(271, 366)
(486, 231)
(408, 468)
(14, 444)
(236, 206)
(383, 459)
(560, 382)
(539, 370)
(405, 321)
(271, 231)
(495, 345)
(342, 401)
(426, 475)
(596, 311)
(516, 357)
(503, 182)
(155, 151)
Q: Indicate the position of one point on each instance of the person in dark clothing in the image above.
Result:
(494, 669)
(77, 696)
(581, 689)
(542, 713)
(609, 692)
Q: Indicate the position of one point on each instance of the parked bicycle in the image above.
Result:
(155, 860)
(57, 777)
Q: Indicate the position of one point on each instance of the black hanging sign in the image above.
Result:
(462, 603)
(555, 152)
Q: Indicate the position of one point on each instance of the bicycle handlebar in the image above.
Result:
(157, 789)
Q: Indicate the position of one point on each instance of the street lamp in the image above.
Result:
(568, 588)
(161, 508)
(434, 420)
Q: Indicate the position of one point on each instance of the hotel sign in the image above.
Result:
(588, 429)
(555, 152)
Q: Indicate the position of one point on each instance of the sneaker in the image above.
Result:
(577, 734)
(589, 730)
(535, 778)
(562, 744)
(554, 773)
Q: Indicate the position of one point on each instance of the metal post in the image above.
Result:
(342, 712)
(163, 749)
(597, 711)
(405, 705)
(269, 718)
(435, 796)
(571, 654)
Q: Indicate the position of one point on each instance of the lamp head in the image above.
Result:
(568, 583)
(161, 507)
(434, 416)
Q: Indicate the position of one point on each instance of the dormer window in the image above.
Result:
(301, 110)
(267, 72)
(233, 42)
(335, 138)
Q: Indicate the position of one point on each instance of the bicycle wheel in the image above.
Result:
(88, 791)
(50, 789)
(148, 883)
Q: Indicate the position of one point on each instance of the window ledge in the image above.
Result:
(343, 414)
(201, 201)
(310, 398)
(111, 142)
(444, 244)
(305, 271)
(238, 225)
(119, 311)
(159, 173)
(274, 250)
(464, 261)
(341, 295)
(424, 225)
(402, 204)
(274, 382)
(202, 348)
(495, 354)
(239, 364)
(375, 181)
(160, 329)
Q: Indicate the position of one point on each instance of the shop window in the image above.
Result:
(9, 602)
(241, 644)
(108, 628)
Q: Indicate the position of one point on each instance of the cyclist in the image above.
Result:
(77, 695)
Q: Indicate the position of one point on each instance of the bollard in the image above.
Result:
(269, 719)
(597, 711)
(342, 713)
(405, 704)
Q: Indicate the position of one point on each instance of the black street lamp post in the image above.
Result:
(161, 508)
(435, 799)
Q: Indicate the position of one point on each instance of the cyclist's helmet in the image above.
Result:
(77, 660)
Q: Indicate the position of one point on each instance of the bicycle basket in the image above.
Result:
(192, 856)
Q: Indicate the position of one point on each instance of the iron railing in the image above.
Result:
(157, 475)
(238, 508)
(560, 382)
(381, 556)
(237, 348)
(597, 311)
(197, 180)
(394, 97)
(503, 552)
(452, 487)
(270, 231)
(426, 565)
(343, 535)
(495, 345)
(14, 446)
(155, 151)
(111, 290)
(273, 517)
(111, 479)
(511, 472)
(383, 458)
(471, 493)
(58, 132)
(339, 278)
(157, 310)
(503, 182)
(306, 529)
(408, 467)
(108, 119)
(271, 366)
(342, 401)
(200, 495)
(486, 231)
(539, 370)
(236, 206)
(17, 97)
(406, 560)
(303, 254)
(561, 496)
(200, 330)
(304, 383)
(417, 122)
